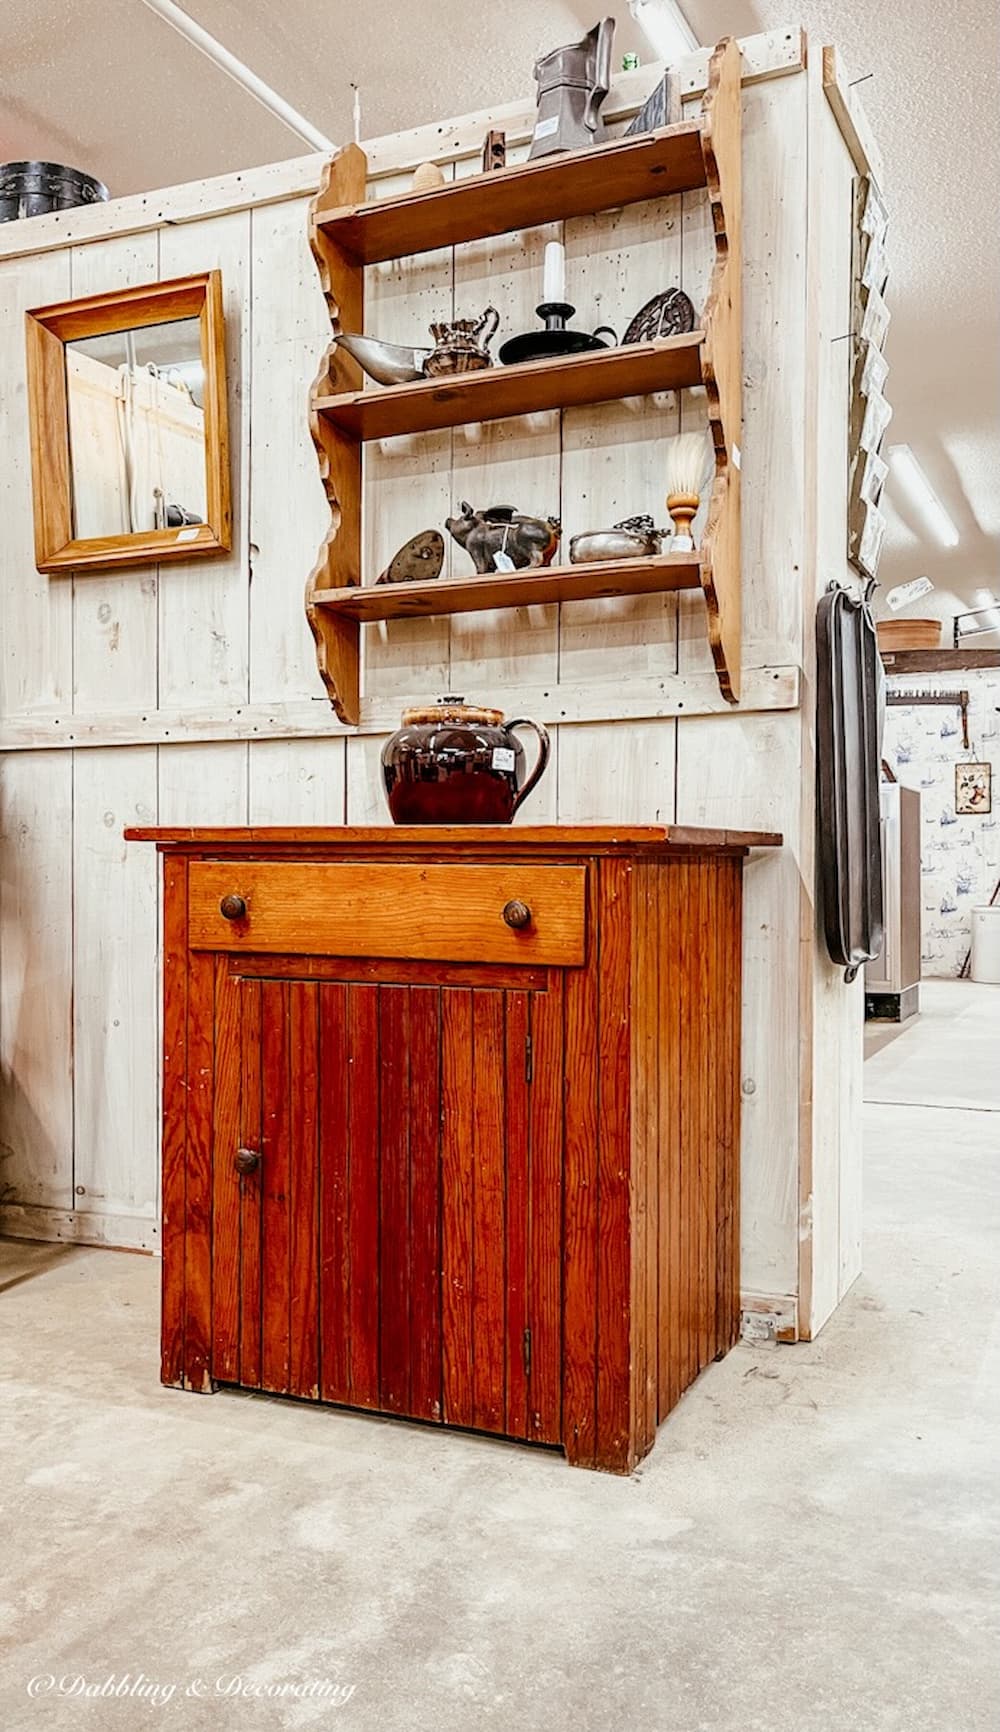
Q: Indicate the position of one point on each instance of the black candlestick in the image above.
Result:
(555, 339)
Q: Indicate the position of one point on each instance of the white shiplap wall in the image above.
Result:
(189, 695)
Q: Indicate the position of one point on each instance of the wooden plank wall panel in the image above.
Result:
(303, 1192)
(613, 453)
(203, 612)
(251, 1137)
(545, 1211)
(407, 481)
(610, 774)
(457, 1181)
(394, 1198)
(198, 1176)
(364, 1061)
(115, 640)
(514, 462)
(115, 944)
(581, 1118)
(227, 1184)
(36, 642)
(517, 1175)
(615, 1447)
(334, 1194)
(36, 980)
(276, 1180)
(488, 1211)
(747, 767)
(175, 1103)
(289, 517)
(297, 781)
(425, 1203)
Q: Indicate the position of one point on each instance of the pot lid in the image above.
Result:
(453, 709)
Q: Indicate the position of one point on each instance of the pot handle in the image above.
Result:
(486, 330)
(544, 748)
(611, 333)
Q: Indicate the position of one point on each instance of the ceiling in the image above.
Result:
(107, 86)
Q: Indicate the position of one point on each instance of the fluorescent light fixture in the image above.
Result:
(915, 484)
(665, 28)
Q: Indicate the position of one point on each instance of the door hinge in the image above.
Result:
(528, 1063)
(527, 1352)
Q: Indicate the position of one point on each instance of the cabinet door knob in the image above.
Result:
(246, 1160)
(517, 914)
(233, 908)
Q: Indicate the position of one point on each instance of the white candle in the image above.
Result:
(554, 278)
(357, 114)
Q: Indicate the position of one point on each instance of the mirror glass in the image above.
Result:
(137, 430)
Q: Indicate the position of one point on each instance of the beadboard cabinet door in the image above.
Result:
(386, 1194)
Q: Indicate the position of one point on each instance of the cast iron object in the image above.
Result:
(35, 188)
(233, 908)
(661, 108)
(667, 315)
(246, 1160)
(452, 764)
(572, 84)
(502, 539)
(850, 706)
(420, 557)
(555, 339)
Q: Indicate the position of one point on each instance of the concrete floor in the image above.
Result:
(811, 1547)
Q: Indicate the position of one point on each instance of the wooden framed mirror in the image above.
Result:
(129, 438)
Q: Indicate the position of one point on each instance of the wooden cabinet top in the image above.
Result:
(447, 841)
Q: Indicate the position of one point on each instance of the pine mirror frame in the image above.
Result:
(48, 330)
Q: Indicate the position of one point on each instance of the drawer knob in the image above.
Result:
(246, 1160)
(233, 908)
(517, 914)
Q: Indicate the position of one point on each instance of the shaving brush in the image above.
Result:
(689, 461)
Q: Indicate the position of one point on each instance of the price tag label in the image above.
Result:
(545, 128)
(187, 534)
(503, 758)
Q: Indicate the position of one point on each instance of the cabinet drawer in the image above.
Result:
(426, 913)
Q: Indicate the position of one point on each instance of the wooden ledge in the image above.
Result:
(468, 838)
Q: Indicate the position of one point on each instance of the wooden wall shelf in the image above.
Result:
(514, 589)
(938, 661)
(552, 189)
(496, 392)
(346, 234)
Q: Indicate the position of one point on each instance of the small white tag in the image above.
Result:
(737, 457)
(503, 758)
(503, 561)
(187, 534)
(545, 128)
(905, 592)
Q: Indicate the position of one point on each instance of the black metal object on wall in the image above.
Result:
(36, 188)
(850, 705)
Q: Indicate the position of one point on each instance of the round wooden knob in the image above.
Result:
(233, 908)
(246, 1160)
(517, 914)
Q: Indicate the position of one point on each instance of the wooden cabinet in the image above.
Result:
(422, 1160)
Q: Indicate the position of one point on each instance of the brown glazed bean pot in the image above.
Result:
(450, 763)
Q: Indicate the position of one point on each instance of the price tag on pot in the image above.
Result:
(546, 128)
(503, 758)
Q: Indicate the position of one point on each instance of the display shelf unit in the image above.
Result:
(346, 234)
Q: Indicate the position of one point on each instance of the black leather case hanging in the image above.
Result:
(850, 704)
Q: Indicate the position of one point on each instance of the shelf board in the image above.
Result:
(533, 587)
(938, 661)
(495, 392)
(576, 183)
